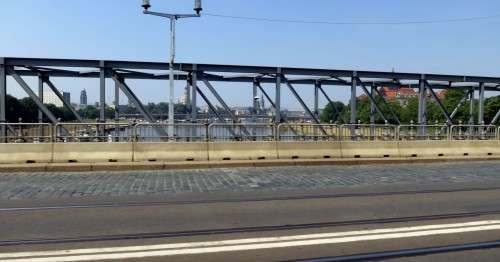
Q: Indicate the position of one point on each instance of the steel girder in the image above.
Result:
(241, 79)
(12, 61)
(388, 106)
(302, 103)
(495, 119)
(60, 96)
(332, 103)
(32, 95)
(372, 99)
(137, 103)
(449, 120)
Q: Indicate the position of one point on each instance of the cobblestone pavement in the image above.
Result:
(57, 185)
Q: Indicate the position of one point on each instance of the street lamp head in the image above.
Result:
(197, 7)
(146, 4)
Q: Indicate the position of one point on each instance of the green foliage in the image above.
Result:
(409, 112)
(329, 114)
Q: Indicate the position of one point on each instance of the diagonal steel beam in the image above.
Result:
(459, 105)
(374, 102)
(272, 104)
(449, 120)
(137, 103)
(210, 105)
(302, 103)
(388, 106)
(32, 95)
(224, 105)
(495, 119)
(221, 101)
(333, 105)
(60, 96)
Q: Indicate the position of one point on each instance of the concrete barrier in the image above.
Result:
(170, 152)
(448, 148)
(242, 150)
(93, 152)
(309, 150)
(25, 153)
(369, 149)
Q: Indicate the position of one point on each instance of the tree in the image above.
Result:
(329, 114)
(491, 108)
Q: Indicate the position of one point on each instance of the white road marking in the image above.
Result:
(247, 244)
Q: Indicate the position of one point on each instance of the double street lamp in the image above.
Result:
(173, 18)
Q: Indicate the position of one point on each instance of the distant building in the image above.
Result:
(83, 98)
(67, 97)
(49, 97)
(241, 111)
(400, 94)
(185, 99)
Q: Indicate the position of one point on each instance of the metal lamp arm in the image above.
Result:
(171, 16)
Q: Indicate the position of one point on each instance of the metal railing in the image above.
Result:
(25, 133)
(368, 132)
(423, 132)
(187, 132)
(93, 132)
(474, 132)
(308, 132)
(241, 132)
(183, 132)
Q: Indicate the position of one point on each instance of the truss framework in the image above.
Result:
(120, 71)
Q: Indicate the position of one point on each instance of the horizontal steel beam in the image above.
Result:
(34, 62)
(217, 78)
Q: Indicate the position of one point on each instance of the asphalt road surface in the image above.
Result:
(419, 212)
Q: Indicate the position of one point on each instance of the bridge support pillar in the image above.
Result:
(3, 99)
(277, 101)
(422, 100)
(255, 100)
(480, 115)
(373, 109)
(102, 93)
(194, 92)
(40, 95)
(317, 86)
(354, 85)
(471, 109)
(117, 102)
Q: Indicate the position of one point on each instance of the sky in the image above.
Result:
(117, 30)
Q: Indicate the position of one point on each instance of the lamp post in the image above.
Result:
(173, 18)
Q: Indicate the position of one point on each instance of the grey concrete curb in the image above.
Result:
(131, 166)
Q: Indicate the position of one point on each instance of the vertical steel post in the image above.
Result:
(277, 101)
(102, 93)
(3, 99)
(354, 85)
(422, 102)
(471, 109)
(40, 95)
(117, 111)
(117, 101)
(171, 117)
(317, 86)
(373, 108)
(422, 105)
(480, 115)
(194, 91)
(373, 111)
(255, 94)
(255, 100)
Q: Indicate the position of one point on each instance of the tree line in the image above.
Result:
(409, 112)
(27, 111)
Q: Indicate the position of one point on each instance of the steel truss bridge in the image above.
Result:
(281, 77)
